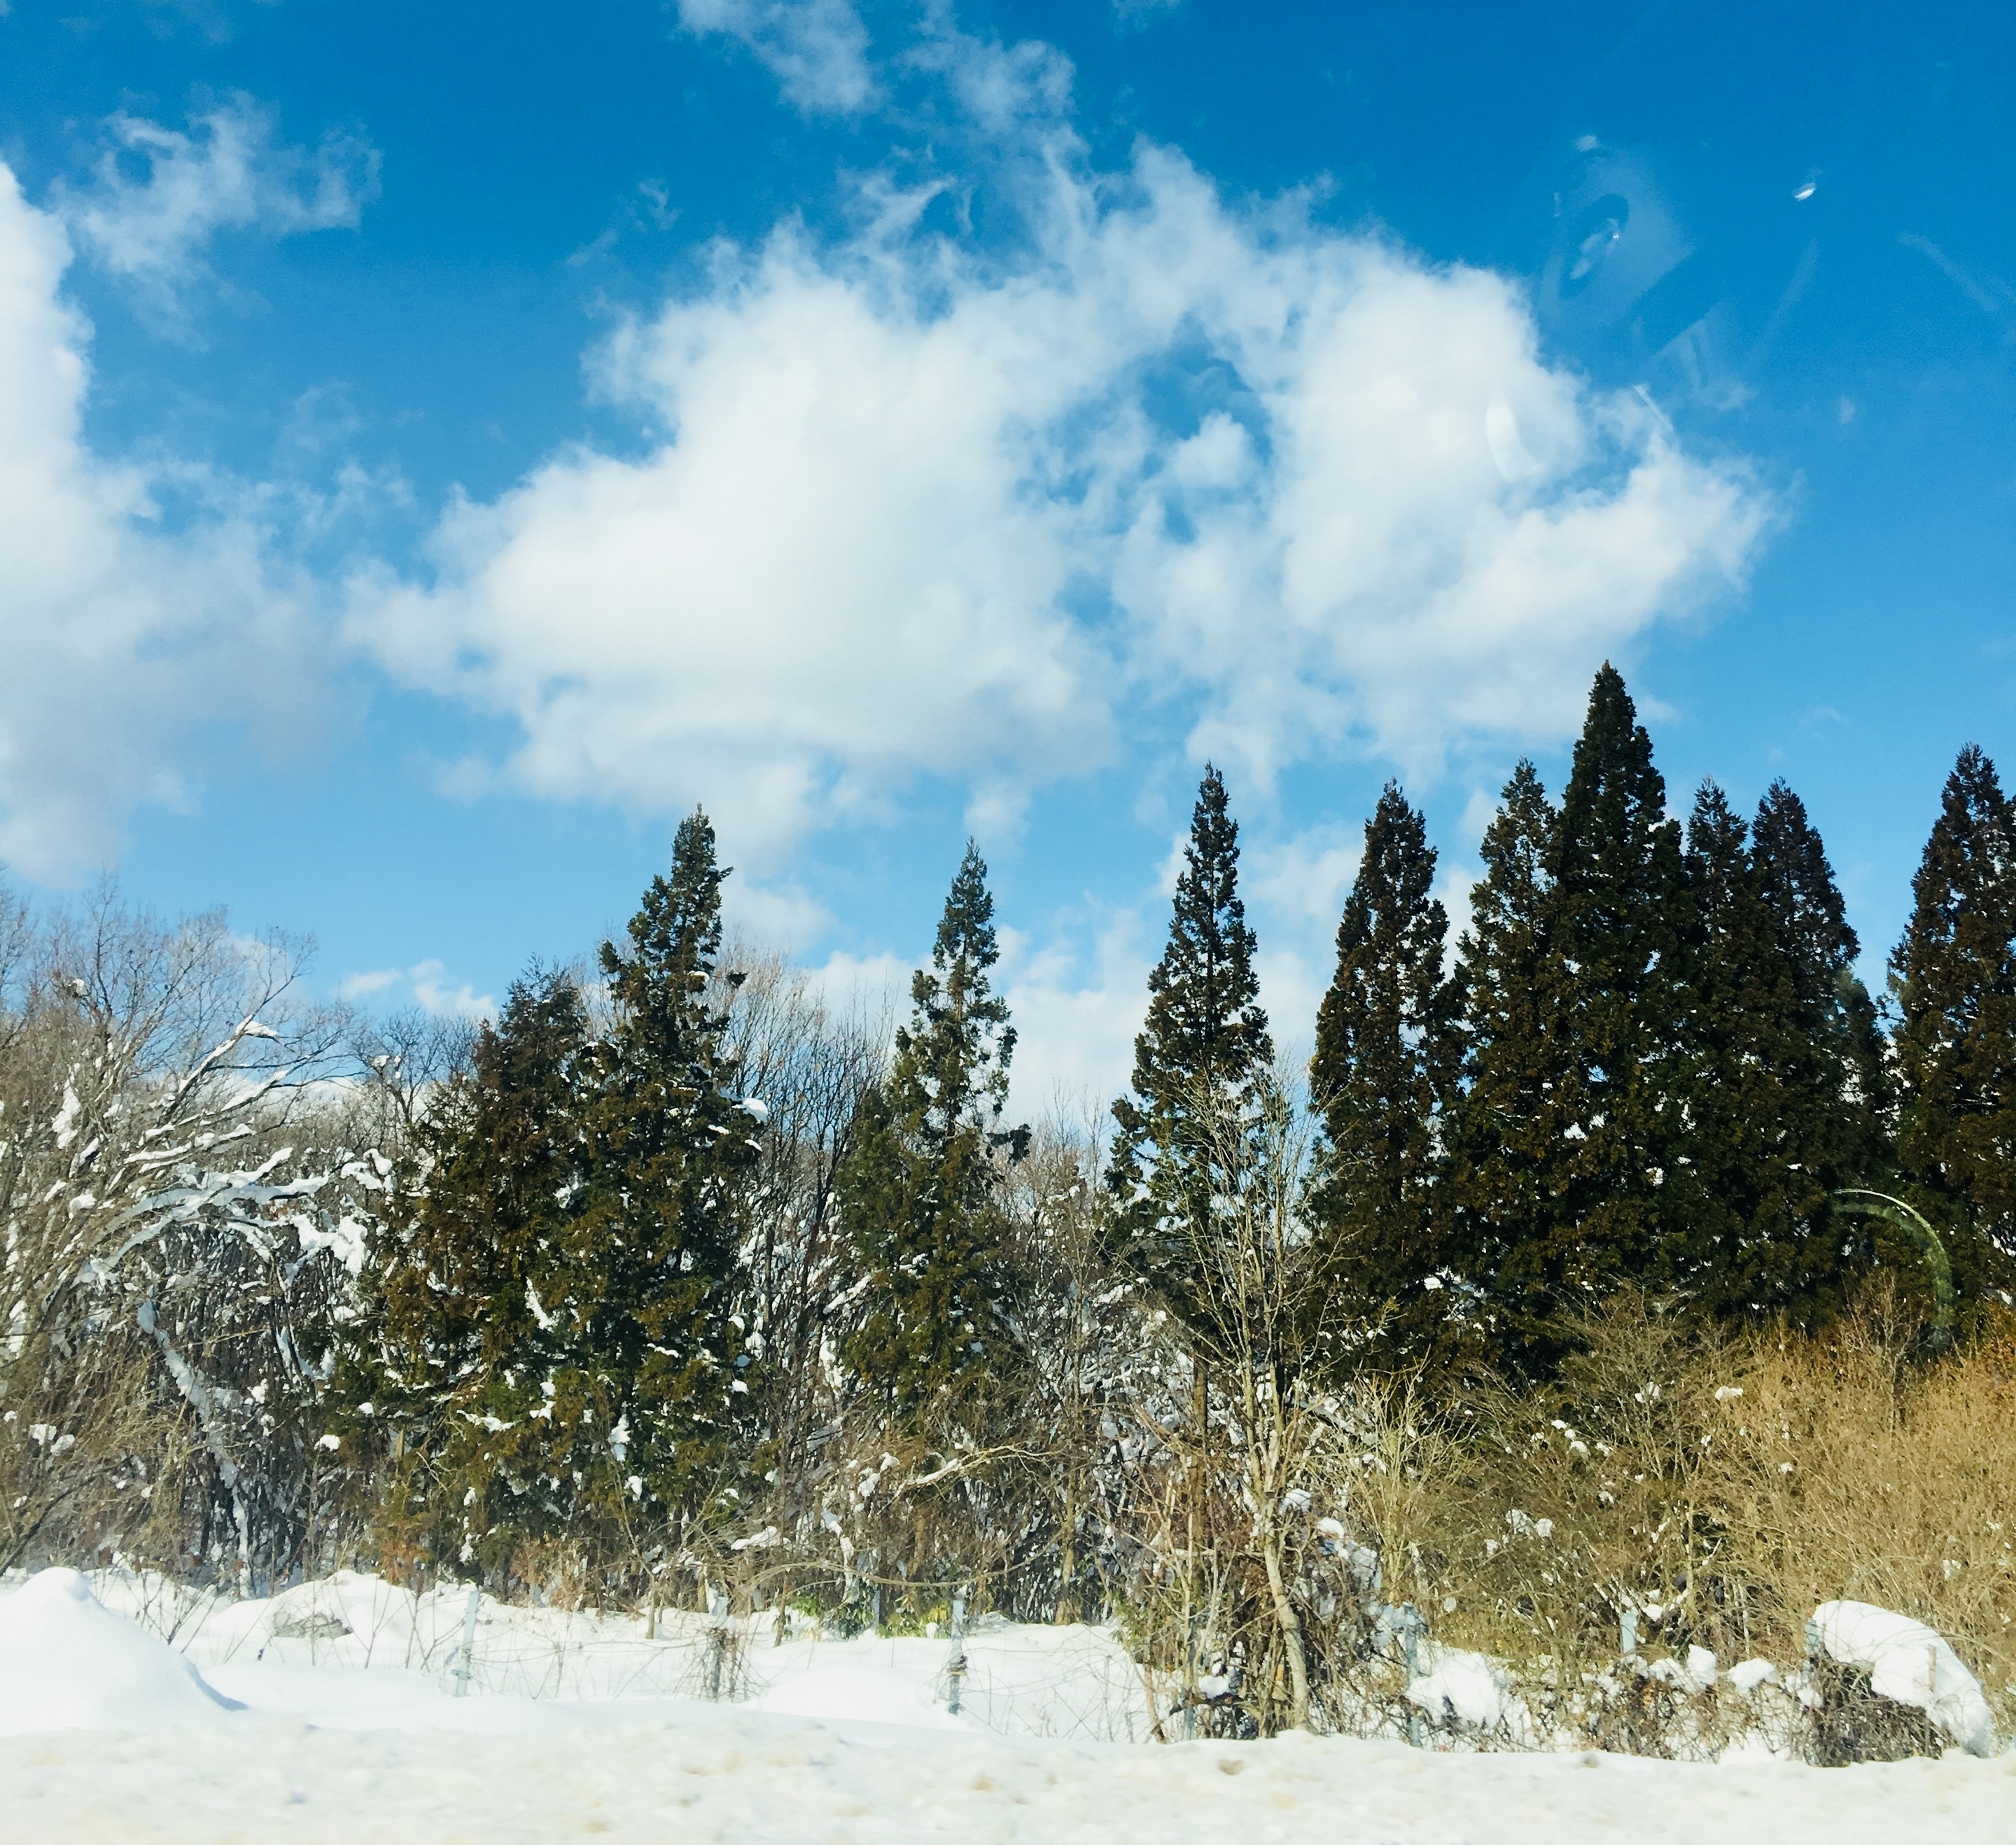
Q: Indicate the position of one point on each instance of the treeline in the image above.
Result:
(671, 1287)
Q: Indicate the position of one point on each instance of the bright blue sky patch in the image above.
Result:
(441, 443)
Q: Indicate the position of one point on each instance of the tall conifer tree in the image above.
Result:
(1954, 977)
(920, 1190)
(1796, 881)
(471, 1356)
(1617, 917)
(673, 1149)
(1382, 1069)
(1504, 1125)
(1769, 1131)
(1204, 1045)
(1579, 1077)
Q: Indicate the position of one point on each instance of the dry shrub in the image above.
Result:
(1856, 1475)
(1710, 1491)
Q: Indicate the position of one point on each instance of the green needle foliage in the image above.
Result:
(1566, 1132)
(676, 1151)
(557, 1345)
(1784, 1086)
(1617, 917)
(1202, 1059)
(1954, 979)
(1384, 1067)
(1771, 1124)
(1503, 1127)
(481, 1373)
(920, 1190)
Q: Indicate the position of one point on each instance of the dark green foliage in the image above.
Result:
(1580, 1077)
(674, 1149)
(919, 1189)
(1954, 979)
(1204, 1046)
(1383, 1068)
(1834, 1008)
(1617, 919)
(1776, 1118)
(1503, 1128)
(467, 1265)
(555, 1319)
(1668, 1065)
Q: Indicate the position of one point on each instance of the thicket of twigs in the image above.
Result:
(191, 1156)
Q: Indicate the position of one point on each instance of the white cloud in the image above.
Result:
(361, 986)
(1302, 880)
(817, 49)
(1076, 1011)
(124, 634)
(920, 509)
(783, 917)
(435, 993)
(427, 984)
(229, 172)
(829, 579)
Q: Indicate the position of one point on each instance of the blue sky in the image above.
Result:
(442, 443)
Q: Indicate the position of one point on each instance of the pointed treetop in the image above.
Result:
(1614, 792)
(1796, 881)
(675, 934)
(1959, 942)
(1389, 943)
(1517, 848)
(1204, 1017)
(959, 1044)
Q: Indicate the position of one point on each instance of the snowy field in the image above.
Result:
(331, 1713)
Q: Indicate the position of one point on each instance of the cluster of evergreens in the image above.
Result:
(669, 1284)
(1647, 1062)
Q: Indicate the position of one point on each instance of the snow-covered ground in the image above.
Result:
(572, 1727)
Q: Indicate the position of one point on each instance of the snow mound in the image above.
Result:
(858, 1693)
(1907, 1661)
(1750, 1674)
(1470, 1689)
(68, 1663)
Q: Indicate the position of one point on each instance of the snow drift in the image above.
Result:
(68, 1663)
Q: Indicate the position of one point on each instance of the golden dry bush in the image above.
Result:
(1676, 1489)
(1851, 1473)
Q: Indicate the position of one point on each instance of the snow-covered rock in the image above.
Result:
(1909, 1662)
(68, 1663)
(1473, 1690)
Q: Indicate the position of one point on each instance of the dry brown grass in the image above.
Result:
(1713, 1491)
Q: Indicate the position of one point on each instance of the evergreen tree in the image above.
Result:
(1797, 883)
(675, 1149)
(1573, 1042)
(1382, 1070)
(1770, 1129)
(1954, 979)
(919, 1189)
(469, 1259)
(1841, 1067)
(1617, 915)
(1504, 1125)
(1204, 1046)
(555, 1289)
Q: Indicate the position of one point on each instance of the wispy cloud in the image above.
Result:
(427, 984)
(817, 49)
(1993, 297)
(158, 197)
